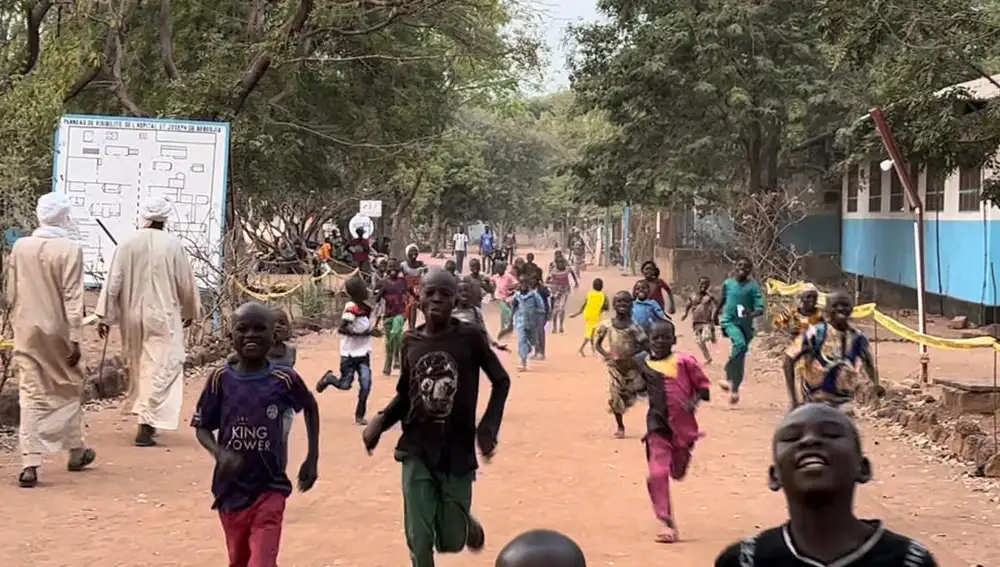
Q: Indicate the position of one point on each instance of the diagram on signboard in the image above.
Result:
(108, 166)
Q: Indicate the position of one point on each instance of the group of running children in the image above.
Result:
(245, 412)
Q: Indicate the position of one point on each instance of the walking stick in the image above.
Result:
(107, 335)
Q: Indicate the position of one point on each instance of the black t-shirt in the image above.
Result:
(775, 548)
(437, 395)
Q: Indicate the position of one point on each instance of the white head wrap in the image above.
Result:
(154, 209)
(411, 247)
(53, 212)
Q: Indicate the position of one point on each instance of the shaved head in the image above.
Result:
(541, 548)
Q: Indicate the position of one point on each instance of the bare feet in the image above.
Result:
(668, 535)
(620, 434)
(734, 398)
(724, 385)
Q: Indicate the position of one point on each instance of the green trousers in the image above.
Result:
(435, 511)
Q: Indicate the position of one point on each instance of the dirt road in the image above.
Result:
(557, 467)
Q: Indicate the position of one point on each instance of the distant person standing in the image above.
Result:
(461, 240)
(361, 250)
(486, 245)
(509, 245)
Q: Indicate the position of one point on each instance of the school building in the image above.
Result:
(961, 235)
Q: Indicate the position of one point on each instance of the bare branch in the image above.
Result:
(115, 71)
(397, 10)
(167, 42)
(82, 83)
(34, 18)
(251, 78)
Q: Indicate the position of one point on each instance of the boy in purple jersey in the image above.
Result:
(245, 402)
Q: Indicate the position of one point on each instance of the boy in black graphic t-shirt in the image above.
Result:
(435, 401)
(817, 463)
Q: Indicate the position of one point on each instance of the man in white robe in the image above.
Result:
(45, 295)
(151, 295)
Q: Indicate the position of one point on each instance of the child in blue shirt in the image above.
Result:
(645, 310)
(245, 402)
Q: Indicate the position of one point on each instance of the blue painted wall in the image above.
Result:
(883, 249)
(818, 233)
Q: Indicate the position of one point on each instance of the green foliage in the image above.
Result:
(704, 95)
(901, 56)
(329, 101)
(509, 166)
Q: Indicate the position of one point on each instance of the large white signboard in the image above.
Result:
(108, 165)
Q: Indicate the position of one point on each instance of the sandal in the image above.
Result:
(28, 477)
(80, 459)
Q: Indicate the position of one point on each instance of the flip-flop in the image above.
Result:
(87, 458)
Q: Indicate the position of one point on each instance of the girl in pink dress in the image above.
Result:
(504, 286)
(675, 384)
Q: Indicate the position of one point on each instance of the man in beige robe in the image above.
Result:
(151, 295)
(45, 295)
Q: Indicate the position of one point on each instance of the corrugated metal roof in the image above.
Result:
(979, 89)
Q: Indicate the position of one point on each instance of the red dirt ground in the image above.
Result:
(557, 467)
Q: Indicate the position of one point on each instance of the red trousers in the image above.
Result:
(253, 535)
(665, 462)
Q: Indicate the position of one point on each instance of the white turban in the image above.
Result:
(53, 210)
(154, 209)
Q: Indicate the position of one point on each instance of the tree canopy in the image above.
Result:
(328, 101)
(714, 94)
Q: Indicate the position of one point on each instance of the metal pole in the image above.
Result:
(913, 195)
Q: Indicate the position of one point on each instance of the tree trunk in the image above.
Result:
(435, 243)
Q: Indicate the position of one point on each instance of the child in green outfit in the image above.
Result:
(435, 402)
(742, 302)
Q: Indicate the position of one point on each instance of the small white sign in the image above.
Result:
(363, 222)
(371, 209)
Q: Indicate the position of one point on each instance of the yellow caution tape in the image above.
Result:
(265, 297)
(776, 287)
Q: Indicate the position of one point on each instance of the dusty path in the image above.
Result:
(557, 467)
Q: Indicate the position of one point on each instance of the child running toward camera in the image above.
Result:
(742, 302)
(645, 311)
(796, 322)
(529, 311)
(435, 401)
(659, 290)
(593, 307)
(702, 307)
(504, 285)
(469, 291)
(675, 385)
(394, 292)
(356, 330)
(818, 462)
(245, 402)
(546, 295)
(831, 357)
(625, 341)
